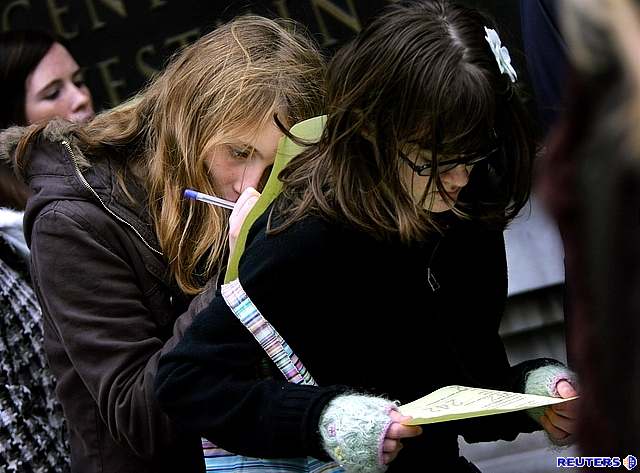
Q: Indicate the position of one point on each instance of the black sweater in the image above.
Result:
(359, 313)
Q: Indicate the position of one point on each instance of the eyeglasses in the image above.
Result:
(468, 160)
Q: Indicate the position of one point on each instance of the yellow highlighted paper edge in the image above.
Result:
(462, 402)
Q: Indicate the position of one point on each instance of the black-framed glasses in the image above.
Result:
(468, 160)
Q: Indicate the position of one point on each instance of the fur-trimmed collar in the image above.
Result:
(57, 130)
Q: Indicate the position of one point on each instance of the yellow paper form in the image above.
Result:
(461, 402)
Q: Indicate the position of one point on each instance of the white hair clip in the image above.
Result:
(501, 53)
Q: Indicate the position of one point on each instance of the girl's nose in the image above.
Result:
(458, 176)
(80, 99)
(254, 176)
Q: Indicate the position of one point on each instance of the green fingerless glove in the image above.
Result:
(543, 381)
(353, 428)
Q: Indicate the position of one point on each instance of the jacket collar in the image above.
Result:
(57, 169)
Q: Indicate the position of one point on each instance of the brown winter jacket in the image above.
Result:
(109, 308)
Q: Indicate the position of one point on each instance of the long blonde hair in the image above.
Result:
(234, 78)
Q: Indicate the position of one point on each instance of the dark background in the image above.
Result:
(121, 43)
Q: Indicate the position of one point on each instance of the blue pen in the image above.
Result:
(209, 199)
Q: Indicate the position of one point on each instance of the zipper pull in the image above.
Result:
(431, 279)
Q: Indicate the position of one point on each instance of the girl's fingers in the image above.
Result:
(388, 457)
(243, 206)
(567, 410)
(246, 194)
(245, 202)
(399, 418)
(565, 389)
(390, 445)
(246, 207)
(552, 430)
(563, 423)
(399, 431)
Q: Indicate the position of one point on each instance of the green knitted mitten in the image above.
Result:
(543, 381)
(353, 428)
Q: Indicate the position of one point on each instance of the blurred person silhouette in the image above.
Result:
(545, 53)
(591, 182)
(39, 80)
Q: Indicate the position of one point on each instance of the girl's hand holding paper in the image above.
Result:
(559, 421)
(243, 206)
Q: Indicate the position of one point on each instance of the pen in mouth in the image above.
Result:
(209, 199)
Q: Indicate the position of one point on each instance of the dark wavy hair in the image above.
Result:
(20, 52)
(421, 72)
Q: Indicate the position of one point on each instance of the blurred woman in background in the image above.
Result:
(39, 80)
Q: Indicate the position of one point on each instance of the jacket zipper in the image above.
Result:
(95, 194)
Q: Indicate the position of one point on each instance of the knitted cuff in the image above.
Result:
(353, 428)
(543, 381)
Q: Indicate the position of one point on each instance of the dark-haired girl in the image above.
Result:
(39, 80)
(381, 264)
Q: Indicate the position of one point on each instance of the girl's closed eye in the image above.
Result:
(240, 152)
(52, 94)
